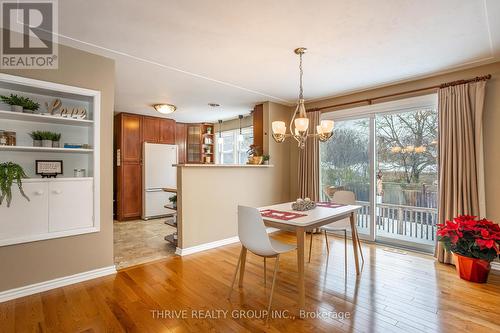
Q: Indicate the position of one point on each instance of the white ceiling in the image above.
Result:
(237, 53)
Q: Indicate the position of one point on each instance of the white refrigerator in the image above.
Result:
(158, 174)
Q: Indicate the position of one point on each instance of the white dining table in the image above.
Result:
(314, 218)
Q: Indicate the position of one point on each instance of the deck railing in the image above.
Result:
(418, 223)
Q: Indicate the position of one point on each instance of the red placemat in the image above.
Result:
(280, 215)
(328, 204)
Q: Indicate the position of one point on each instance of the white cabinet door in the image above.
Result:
(71, 205)
(25, 219)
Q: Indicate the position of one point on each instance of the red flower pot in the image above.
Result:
(472, 269)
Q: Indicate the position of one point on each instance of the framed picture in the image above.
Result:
(48, 168)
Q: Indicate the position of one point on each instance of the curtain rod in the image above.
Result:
(370, 100)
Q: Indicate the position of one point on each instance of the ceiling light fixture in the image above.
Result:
(214, 105)
(220, 141)
(299, 124)
(240, 136)
(165, 108)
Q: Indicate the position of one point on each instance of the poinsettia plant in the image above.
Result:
(471, 237)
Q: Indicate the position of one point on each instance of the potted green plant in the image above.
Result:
(37, 138)
(15, 102)
(474, 242)
(56, 138)
(173, 200)
(265, 159)
(29, 106)
(46, 137)
(10, 172)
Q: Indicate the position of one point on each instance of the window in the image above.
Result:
(232, 150)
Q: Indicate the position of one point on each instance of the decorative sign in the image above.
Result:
(48, 168)
(57, 110)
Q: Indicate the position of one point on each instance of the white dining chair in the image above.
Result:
(345, 198)
(253, 237)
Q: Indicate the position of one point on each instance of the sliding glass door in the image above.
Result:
(345, 165)
(388, 157)
(407, 178)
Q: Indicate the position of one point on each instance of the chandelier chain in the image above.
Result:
(301, 90)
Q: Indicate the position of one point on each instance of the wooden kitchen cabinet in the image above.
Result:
(130, 199)
(167, 131)
(180, 141)
(194, 143)
(129, 137)
(150, 129)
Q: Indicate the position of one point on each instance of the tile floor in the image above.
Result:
(138, 241)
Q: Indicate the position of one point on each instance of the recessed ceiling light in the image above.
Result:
(214, 105)
(165, 108)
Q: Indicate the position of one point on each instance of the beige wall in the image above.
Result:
(34, 262)
(209, 195)
(491, 122)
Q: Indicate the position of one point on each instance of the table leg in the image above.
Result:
(354, 235)
(242, 265)
(300, 263)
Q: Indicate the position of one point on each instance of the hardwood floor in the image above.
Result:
(395, 292)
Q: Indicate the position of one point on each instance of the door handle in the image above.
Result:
(39, 192)
(57, 191)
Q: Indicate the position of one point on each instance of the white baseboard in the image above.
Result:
(55, 283)
(212, 245)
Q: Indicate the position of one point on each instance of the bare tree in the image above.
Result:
(407, 142)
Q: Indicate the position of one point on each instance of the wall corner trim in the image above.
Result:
(55, 283)
(212, 245)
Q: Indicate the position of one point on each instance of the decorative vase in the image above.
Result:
(37, 143)
(257, 160)
(16, 108)
(55, 144)
(472, 269)
(47, 143)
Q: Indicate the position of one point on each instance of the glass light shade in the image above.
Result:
(301, 124)
(165, 108)
(319, 129)
(279, 127)
(220, 141)
(327, 125)
(240, 138)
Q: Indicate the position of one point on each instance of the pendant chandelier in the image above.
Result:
(299, 124)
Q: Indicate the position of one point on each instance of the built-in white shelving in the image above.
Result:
(42, 118)
(62, 206)
(46, 149)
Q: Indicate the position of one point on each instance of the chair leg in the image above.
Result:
(276, 265)
(265, 272)
(310, 246)
(345, 253)
(361, 251)
(327, 245)
(235, 274)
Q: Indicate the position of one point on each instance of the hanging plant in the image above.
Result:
(10, 172)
